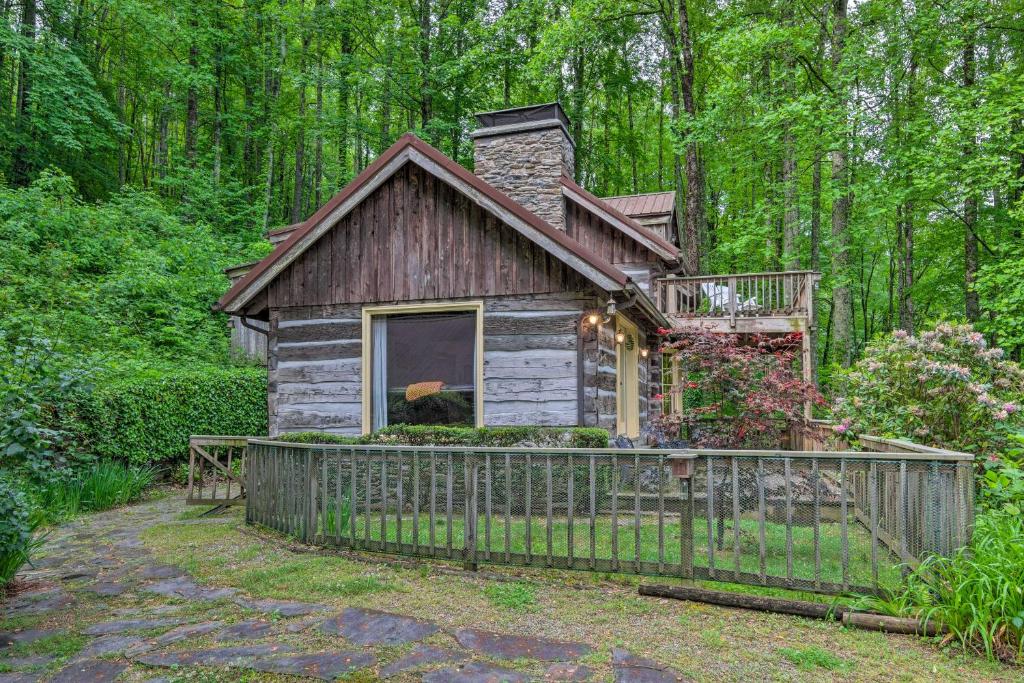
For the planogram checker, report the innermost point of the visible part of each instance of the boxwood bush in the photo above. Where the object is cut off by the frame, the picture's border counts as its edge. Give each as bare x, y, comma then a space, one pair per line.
429, 435
148, 418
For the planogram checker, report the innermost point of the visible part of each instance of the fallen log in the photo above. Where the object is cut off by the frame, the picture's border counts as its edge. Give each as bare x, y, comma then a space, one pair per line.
799, 608
886, 624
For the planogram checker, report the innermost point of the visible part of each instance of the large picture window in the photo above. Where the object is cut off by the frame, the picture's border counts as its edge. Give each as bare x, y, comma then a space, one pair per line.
422, 365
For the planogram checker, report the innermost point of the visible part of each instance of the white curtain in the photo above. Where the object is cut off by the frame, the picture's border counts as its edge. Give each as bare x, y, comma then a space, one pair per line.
379, 372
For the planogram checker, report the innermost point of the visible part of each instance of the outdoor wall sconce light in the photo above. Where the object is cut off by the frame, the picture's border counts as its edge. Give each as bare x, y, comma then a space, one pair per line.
593, 318
643, 353
609, 311
620, 337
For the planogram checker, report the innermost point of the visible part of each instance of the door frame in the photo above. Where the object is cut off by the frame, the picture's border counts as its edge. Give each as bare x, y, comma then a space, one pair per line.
627, 379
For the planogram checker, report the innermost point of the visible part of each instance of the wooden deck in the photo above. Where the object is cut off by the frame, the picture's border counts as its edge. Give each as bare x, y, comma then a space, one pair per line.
748, 303
751, 303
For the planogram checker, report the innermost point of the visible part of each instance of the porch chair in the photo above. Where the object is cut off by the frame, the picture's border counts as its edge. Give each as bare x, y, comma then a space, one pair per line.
718, 297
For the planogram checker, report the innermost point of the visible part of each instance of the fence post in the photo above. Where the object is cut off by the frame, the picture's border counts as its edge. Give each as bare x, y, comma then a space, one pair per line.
469, 534
686, 524
309, 524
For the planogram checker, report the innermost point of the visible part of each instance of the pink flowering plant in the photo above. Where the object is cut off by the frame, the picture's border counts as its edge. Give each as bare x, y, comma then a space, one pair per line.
946, 388
736, 393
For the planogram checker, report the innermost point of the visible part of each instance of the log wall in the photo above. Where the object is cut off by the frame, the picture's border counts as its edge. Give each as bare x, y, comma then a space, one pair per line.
531, 371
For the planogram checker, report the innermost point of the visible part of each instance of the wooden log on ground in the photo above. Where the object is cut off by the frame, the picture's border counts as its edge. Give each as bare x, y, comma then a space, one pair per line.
880, 622
800, 608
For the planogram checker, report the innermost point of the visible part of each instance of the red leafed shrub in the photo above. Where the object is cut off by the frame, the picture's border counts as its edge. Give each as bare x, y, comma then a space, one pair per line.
736, 392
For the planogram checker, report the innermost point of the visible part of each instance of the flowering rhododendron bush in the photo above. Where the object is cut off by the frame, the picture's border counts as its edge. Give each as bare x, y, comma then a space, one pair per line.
946, 388
736, 392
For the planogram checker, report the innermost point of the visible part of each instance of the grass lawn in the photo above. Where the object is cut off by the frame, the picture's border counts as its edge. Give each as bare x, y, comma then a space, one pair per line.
704, 642
775, 543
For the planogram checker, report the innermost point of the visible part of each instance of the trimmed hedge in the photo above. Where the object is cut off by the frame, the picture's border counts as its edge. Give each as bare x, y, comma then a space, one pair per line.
148, 418
424, 435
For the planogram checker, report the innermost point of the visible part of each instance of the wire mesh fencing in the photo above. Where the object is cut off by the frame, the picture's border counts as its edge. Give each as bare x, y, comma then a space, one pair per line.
825, 522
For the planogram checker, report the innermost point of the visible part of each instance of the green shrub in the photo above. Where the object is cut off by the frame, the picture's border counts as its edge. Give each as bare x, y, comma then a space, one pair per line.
320, 438
149, 418
100, 486
483, 437
976, 593
945, 387
542, 437
17, 531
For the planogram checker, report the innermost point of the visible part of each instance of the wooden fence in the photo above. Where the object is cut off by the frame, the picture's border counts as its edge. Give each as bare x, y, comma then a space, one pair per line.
819, 521
216, 470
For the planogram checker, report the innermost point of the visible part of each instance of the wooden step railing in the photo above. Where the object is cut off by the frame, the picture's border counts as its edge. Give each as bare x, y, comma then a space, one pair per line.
216, 470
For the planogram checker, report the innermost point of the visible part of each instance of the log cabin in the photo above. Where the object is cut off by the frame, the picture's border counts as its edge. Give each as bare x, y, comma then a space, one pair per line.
423, 293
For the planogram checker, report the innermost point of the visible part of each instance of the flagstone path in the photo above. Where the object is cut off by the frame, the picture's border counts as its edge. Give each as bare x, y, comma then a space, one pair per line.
172, 623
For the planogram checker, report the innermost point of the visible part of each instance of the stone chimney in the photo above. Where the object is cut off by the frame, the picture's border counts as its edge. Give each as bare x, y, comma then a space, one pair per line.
524, 152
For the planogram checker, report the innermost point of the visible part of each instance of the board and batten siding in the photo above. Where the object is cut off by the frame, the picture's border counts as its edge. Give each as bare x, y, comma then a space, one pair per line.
415, 238
530, 377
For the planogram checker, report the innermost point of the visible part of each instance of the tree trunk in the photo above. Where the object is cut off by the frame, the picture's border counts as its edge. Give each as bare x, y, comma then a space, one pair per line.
842, 310
972, 308
272, 87
300, 135
192, 99
22, 164
218, 106
426, 98
816, 210
695, 219
790, 180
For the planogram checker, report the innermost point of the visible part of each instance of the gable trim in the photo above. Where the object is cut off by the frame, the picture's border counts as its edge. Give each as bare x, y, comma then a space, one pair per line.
409, 148
619, 221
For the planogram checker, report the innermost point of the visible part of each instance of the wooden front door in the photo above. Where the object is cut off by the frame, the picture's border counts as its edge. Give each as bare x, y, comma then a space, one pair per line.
627, 387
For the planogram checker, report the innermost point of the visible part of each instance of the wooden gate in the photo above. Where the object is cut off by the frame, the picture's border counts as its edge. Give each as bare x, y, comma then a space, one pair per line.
216, 470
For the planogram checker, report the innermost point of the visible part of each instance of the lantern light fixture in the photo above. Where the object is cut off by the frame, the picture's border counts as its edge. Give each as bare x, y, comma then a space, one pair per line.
620, 337
644, 352
593, 318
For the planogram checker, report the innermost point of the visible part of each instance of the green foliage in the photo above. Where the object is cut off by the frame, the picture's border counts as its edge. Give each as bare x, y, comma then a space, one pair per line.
17, 530
976, 593
147, 418
1001, 485
34, 383
813, 658
338, 514
1001, 286
100, 486
511, 595
428, 435
124, 283
945, 388
320, 438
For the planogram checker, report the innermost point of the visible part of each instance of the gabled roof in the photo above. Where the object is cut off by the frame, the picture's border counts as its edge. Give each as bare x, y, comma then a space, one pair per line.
650, 204
408, 149
619, 220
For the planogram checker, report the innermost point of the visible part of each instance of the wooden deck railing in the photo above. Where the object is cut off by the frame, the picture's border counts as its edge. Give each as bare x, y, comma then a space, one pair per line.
752, 295
820, 521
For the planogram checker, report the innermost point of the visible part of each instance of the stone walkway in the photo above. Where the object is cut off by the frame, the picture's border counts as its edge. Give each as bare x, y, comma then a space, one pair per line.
98, 562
